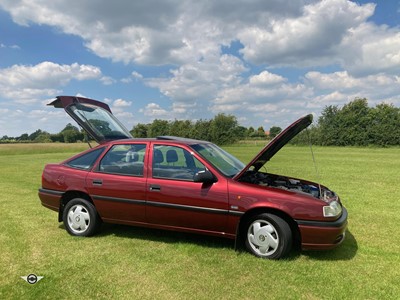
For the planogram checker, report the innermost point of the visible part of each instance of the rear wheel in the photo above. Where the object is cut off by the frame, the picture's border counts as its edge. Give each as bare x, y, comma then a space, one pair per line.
268, 236
81, 218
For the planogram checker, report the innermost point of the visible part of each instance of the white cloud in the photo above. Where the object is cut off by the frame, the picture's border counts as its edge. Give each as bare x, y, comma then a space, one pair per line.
45, 74
15, 47
312, 38
17, 121
161, 32
277, 101
276, 33
266, 78
137, 75
29, 83
154, 110
126, 80
340, 87
106, 80
134, 75
200, 81
371, 50
177, 111
261, 88
121, 103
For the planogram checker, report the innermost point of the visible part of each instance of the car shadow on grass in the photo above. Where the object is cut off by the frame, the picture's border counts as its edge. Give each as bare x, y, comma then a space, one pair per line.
346, 251
164, 236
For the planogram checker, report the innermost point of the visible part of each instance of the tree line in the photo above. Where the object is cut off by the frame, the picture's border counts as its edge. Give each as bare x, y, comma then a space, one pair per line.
70, 134
354, 124
222, 129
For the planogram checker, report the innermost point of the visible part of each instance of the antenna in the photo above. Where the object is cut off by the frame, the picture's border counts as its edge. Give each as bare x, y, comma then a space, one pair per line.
315, 164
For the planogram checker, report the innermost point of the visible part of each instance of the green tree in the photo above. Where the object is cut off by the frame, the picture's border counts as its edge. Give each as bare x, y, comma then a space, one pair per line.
384, 126
35, 134
223, 128
241, 132
261, 132
250, 131
23, 137
158, 128
182, 128
71, 134
356, 124
328, 124
274, 131
140, 130
354, 120
43, 137
57, 137
69, 126
201, 130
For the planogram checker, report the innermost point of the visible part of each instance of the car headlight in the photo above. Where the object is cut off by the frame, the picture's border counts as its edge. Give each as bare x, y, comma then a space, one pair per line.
333, 210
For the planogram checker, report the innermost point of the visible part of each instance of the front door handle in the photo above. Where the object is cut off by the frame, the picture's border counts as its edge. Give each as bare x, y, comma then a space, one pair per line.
155, 187
97, 182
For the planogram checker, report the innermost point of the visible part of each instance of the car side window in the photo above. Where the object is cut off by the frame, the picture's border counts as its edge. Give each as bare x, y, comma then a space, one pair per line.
85, 161
171, 162
126, 159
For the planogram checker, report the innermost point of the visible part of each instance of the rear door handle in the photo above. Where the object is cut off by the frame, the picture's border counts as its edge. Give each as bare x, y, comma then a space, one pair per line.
155, 187
97, 182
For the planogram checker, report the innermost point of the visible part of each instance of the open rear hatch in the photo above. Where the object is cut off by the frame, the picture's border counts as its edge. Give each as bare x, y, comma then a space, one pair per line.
94, 117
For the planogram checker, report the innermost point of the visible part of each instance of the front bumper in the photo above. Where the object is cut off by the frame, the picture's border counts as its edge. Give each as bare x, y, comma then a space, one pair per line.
317, 235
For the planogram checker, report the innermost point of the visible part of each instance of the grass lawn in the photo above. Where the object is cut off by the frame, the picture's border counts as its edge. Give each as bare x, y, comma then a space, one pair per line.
134, 263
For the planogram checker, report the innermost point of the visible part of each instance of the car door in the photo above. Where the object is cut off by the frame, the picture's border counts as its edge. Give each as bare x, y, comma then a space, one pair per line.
175, 200
118, 183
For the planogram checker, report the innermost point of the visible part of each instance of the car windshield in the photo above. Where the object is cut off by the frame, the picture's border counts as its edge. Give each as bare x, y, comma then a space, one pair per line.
226, 163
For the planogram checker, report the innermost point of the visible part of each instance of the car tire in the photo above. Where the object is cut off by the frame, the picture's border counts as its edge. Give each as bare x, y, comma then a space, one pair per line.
81, 218
268, 236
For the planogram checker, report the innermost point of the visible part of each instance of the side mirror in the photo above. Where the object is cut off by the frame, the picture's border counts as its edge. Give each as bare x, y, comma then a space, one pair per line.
204, 176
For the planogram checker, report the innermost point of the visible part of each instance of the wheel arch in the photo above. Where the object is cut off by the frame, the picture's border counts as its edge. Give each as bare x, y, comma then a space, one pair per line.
241, 228
68, 196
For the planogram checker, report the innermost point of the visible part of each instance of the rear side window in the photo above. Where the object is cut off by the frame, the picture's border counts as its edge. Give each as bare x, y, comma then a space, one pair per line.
126, 159
85, 161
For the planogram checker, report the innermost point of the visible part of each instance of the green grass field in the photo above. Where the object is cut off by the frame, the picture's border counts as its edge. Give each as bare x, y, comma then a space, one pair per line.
134, 263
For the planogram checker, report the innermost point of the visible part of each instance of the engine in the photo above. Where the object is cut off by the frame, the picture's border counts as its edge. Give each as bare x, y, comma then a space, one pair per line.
286, 183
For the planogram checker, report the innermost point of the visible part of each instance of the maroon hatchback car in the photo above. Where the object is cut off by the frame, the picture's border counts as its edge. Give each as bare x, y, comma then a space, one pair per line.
187, 185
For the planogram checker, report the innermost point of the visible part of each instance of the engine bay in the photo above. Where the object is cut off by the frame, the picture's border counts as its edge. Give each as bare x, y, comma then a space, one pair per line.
290, 184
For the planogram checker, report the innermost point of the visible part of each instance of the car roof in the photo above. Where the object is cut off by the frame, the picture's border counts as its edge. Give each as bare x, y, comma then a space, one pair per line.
181, 139
165, 138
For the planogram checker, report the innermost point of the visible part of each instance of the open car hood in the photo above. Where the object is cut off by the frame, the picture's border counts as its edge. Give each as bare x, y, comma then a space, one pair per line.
94, 117
276, 144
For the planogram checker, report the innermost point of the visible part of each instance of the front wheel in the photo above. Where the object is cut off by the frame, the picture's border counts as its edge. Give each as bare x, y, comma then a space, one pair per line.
80, 218
268, 236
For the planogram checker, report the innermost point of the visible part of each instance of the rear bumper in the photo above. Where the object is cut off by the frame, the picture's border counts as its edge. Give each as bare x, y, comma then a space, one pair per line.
50, 198
316, 235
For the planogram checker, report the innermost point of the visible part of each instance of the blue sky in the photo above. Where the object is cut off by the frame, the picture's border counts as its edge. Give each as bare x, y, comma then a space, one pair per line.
266, 62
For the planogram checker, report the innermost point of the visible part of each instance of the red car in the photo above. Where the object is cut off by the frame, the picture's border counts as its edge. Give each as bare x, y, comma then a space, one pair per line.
187, 185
